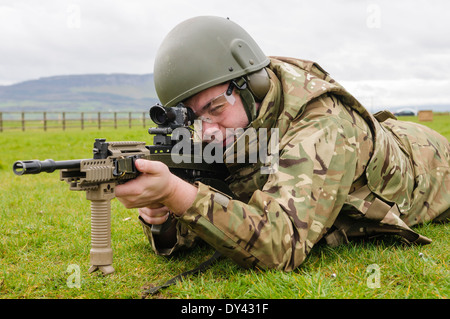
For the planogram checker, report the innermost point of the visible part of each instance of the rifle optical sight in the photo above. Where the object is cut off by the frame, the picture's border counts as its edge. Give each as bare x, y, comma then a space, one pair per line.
173, 117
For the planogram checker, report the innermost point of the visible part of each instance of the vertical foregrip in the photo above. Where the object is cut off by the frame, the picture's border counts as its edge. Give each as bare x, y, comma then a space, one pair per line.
101, 251
101, 230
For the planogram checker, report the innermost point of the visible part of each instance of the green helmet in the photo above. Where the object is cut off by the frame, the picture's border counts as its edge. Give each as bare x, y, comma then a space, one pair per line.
202, 52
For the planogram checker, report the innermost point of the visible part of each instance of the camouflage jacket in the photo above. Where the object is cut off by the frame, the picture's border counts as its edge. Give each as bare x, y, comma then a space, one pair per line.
341, 172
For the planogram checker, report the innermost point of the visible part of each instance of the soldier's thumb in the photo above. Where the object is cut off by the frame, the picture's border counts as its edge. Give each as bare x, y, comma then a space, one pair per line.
146, 166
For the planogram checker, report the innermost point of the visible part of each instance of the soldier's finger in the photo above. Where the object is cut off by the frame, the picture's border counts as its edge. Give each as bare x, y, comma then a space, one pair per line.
154, 220
154, 212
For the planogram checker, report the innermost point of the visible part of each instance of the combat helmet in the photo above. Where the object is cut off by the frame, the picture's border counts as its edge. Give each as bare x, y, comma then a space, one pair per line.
205, 51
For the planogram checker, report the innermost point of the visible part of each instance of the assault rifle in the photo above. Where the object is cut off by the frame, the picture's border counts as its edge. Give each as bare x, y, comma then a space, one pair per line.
113, 163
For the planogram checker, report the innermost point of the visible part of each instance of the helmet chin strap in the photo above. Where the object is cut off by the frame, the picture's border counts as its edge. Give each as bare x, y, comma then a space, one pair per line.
252, 88
247, 98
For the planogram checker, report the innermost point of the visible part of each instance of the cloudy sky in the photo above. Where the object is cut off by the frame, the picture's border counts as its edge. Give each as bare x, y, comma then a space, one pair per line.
387, 53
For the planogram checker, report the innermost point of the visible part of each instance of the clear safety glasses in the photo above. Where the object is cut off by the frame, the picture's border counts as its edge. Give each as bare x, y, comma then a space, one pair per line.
216, 106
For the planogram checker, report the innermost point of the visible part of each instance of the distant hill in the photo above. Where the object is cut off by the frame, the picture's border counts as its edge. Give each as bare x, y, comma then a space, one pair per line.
102, 92
90, 92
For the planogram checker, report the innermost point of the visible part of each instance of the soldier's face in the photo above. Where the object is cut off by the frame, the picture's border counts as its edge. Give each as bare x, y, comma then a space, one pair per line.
218, 112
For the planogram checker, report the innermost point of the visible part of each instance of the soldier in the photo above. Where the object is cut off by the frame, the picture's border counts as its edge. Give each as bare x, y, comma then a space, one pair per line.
342, 172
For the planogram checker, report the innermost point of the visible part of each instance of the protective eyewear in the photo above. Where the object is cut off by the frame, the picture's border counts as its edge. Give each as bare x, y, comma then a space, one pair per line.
216, 106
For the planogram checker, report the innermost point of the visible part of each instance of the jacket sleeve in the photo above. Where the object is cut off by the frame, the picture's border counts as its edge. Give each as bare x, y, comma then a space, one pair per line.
299, 202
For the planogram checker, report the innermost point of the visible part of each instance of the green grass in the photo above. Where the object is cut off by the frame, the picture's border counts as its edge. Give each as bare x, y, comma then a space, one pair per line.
44, 228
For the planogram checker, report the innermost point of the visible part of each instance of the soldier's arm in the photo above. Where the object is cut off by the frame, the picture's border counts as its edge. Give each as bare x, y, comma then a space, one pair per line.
280, 224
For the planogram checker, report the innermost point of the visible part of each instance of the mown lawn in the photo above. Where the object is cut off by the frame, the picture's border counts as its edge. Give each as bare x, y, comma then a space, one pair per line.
45, 239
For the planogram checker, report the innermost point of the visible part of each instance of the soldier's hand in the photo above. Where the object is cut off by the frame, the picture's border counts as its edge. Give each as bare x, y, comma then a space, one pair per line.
154, 216
156, 187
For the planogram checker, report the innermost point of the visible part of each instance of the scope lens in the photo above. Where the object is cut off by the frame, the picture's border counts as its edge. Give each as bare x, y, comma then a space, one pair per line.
160, 118
160, 115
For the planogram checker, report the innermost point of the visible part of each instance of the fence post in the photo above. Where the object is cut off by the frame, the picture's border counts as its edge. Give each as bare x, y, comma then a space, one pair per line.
23, 121
115, 120
64, 120
1, 122
129, 119
82, 120
143, 119
45, 121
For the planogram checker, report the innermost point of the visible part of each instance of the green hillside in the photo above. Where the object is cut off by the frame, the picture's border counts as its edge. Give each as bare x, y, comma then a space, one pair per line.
92, 92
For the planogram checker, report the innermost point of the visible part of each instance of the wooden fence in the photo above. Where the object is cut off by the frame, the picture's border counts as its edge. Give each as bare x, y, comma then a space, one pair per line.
67, 120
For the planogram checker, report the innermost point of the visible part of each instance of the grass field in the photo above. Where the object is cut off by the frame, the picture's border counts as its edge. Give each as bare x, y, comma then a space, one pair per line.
45, 238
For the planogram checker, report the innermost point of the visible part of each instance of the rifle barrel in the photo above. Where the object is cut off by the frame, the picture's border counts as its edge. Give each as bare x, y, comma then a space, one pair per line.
49, 165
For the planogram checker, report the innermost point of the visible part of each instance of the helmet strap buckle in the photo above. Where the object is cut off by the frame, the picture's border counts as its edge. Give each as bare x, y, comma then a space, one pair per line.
240, 84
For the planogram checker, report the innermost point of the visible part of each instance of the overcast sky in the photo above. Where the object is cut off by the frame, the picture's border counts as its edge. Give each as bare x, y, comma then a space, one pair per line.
387, 53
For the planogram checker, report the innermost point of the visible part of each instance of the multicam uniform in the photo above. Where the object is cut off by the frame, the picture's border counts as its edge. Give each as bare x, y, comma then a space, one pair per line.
341, 173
